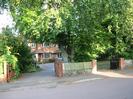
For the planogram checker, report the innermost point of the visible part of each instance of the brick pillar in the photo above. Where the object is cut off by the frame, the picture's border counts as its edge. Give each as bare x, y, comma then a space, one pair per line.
122, 63
55, 66
58, 68
10, 72
94, 66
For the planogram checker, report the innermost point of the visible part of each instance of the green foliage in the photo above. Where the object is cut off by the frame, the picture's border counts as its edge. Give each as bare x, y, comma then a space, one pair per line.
18, 53
128, 54
25, 59
10, 59
7, 55
1, 69
85, 29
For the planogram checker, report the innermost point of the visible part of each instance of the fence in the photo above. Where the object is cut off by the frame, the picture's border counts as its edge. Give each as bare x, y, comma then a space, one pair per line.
103, 64
62, 69
77, 68
129, 62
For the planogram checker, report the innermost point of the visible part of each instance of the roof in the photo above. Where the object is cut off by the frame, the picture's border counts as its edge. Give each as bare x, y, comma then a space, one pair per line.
48, 51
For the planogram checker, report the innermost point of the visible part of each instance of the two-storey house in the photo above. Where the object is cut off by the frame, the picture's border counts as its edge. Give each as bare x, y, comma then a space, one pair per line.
45, 52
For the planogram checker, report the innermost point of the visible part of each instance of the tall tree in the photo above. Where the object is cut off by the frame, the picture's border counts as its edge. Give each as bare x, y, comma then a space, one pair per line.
83, 29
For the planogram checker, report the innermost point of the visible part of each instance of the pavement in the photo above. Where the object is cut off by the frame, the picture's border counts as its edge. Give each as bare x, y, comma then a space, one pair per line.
46, 78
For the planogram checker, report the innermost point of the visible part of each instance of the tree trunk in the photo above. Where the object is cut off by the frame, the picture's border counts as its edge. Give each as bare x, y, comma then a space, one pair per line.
70, 52
64, 54
67, 54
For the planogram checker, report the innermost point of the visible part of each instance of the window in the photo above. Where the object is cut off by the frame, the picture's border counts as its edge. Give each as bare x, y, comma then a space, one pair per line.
45, 45
59, 55
46, 55
33, 45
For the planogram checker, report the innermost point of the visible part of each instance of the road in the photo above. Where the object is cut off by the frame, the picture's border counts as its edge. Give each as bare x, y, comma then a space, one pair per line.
108, 88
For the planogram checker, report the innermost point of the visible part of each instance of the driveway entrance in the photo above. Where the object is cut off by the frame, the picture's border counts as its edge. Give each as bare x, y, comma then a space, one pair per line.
47, 73
47, 70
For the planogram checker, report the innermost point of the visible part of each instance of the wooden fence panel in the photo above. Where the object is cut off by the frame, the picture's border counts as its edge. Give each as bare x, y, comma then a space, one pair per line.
77, 68
62, 69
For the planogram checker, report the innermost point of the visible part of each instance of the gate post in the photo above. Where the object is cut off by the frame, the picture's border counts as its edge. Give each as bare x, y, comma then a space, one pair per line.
122, 63
58, 65
94, 66
5, 71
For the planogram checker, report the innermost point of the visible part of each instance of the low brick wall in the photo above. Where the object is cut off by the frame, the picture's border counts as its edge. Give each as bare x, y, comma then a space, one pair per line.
62, 69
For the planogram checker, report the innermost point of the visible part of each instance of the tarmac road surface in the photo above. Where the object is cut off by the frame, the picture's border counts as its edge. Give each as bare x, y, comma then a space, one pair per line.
109, 88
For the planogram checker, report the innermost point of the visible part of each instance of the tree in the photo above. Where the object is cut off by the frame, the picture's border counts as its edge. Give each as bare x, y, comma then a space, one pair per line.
107, 24
84, 29
15, 46
49, 24
118, 22
6, 54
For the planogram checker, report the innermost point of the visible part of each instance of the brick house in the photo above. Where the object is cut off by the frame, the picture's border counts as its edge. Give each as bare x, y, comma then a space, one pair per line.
45, 52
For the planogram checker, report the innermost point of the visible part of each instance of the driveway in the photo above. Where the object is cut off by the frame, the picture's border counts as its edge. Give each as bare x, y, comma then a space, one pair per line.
47, 72
46, 75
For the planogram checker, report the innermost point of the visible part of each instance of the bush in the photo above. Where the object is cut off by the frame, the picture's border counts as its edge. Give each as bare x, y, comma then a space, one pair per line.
25, 59
128, 54
18, 49
10, 59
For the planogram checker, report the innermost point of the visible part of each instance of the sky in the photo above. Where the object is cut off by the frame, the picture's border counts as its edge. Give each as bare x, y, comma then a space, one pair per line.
5, 19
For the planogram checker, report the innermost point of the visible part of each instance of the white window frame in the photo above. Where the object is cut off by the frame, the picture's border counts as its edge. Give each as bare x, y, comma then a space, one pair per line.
49, 55
45, 45
33, 45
